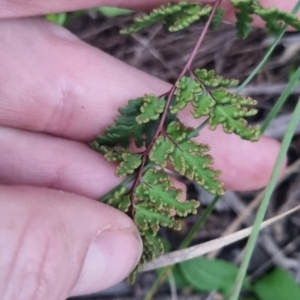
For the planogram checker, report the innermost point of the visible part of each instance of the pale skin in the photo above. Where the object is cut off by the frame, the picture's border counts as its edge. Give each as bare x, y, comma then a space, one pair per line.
56, 93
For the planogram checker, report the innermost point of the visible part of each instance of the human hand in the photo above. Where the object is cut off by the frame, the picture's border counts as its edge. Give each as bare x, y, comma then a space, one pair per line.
56, 93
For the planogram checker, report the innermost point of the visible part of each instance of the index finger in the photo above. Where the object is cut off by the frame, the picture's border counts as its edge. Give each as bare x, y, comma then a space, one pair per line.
21, 8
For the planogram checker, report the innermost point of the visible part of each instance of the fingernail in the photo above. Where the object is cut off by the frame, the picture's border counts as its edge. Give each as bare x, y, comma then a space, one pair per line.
111, 257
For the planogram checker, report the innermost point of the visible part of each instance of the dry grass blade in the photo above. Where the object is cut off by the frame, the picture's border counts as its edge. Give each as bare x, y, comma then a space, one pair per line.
199, 250
239, 220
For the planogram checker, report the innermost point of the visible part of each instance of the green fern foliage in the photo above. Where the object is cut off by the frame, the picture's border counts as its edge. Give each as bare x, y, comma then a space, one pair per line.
273, 18
120, 199
175, 17
210, 79
153, 201
276, 19
186, 91
244, 10
151, 109
125, 127
189, 159
178, 16
157, 204
207, 94
230, 111
131, 124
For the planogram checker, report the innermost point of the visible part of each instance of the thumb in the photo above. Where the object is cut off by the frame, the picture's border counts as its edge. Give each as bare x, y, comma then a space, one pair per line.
55, 244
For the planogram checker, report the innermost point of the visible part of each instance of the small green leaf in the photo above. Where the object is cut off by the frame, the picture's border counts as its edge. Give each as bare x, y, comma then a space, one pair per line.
147, 217
152, 244
187, 90
277, 285
197, 167
230, 111
120, 199
153, 177
190, 160
209, 275
217, 19
113, 154
160, 151
243, 16
189, 14
125, 128
157, 188
130, 162
275, 20
111, 12
178, 132
210, 79
59, 19
202, 105
151, 109
174, 16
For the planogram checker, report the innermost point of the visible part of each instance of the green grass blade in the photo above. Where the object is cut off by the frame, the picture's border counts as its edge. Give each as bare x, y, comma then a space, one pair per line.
265, 202
281, 100
268, 54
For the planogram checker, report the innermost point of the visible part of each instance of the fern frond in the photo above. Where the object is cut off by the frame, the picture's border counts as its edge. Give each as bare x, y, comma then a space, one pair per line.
187, 89
148, 217
157, 204
274, 18
210, 79
158, 189
126, 127
190, 14
190, 161
151, 109
178, 132
244, 10
130, 162
137, 121
174, 17
160, 151
152, 244
217, 19
187, 158
152, 200
202, 105
206, 92
230, 111
120, 199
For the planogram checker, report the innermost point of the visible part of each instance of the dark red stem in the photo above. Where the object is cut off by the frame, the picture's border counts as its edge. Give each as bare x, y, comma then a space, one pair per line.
170, 95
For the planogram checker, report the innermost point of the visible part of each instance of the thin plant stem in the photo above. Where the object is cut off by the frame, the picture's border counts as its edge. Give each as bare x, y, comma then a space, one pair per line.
169, 99
196, 131
281, 100
268, 54
265, 202
185, 243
